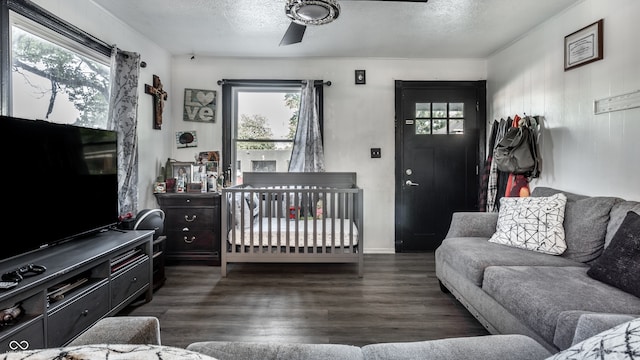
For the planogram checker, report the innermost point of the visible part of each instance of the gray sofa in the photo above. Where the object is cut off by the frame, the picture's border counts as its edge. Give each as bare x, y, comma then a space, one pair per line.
120, 338
517, 291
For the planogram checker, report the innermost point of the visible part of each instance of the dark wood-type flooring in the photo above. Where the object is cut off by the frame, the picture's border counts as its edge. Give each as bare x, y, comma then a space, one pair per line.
397, 299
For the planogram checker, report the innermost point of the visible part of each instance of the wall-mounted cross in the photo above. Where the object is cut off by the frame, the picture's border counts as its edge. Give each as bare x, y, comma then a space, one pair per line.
159, 97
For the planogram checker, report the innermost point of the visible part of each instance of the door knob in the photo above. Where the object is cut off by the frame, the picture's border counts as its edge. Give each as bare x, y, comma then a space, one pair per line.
411, 183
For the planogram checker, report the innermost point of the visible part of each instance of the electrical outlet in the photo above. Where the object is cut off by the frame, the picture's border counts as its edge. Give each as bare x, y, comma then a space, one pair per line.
376, 153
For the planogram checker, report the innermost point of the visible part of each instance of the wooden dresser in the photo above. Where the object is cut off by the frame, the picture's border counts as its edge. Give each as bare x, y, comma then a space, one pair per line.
192, 227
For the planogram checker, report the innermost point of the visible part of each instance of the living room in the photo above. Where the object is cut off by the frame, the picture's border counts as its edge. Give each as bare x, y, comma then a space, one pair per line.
582, 152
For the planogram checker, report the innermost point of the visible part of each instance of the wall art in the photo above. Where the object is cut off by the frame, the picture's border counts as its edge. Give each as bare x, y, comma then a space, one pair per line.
199, 105
583, 46
185, 139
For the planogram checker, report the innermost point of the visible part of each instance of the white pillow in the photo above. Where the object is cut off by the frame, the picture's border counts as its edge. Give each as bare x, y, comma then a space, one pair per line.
619, 343
532, 223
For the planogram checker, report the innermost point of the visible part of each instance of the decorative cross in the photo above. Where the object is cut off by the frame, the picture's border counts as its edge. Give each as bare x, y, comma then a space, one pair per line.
159, 97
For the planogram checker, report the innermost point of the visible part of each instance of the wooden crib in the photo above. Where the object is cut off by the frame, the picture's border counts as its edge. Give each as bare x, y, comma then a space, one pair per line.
281, 217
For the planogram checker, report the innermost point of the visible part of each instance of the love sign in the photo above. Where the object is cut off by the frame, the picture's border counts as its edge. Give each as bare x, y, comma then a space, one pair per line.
199, 105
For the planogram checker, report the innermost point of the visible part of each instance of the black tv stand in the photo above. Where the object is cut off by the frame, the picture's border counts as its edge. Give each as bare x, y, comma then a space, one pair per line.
86, 279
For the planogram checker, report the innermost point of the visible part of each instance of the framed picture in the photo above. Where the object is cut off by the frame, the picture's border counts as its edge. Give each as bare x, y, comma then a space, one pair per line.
211, 167
198, 170
199, 105
185, 139
205, 156
182, 170
583, 46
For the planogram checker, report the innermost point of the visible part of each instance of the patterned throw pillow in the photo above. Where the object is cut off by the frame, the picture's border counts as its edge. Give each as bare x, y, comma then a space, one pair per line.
532, 223
619, 264
619, 343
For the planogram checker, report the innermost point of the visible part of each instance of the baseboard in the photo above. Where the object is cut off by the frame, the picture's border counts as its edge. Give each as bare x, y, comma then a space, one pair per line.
380, 251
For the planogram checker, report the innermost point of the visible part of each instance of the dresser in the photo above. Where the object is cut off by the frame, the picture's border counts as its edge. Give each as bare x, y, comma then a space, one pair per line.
192, 227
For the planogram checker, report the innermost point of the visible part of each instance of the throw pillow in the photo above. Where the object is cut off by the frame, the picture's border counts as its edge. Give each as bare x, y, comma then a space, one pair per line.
619, 264
585, 223
532, 223
618, 343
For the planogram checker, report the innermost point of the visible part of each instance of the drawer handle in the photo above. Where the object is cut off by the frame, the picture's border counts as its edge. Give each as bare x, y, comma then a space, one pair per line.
135, 279
185, 229
189, 241
15, 345
193, 218
85, 312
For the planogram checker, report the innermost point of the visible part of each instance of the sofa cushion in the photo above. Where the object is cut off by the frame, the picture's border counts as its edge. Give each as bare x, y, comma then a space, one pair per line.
619, 343
235, 350
585, 223
618, 213
471, 255
593, 324
468, 348
619, 265
539, 294
532, 223
577, 324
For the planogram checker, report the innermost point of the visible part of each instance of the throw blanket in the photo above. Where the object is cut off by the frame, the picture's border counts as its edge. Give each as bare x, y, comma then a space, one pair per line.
107, 351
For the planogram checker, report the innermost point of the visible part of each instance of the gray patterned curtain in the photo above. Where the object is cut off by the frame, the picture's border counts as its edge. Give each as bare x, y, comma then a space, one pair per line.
307, 154
123, 117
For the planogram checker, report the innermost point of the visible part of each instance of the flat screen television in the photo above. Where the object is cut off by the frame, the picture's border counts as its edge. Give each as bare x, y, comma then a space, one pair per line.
60, 183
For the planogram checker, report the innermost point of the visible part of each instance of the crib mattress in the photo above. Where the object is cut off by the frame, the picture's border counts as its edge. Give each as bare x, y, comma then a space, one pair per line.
345, 234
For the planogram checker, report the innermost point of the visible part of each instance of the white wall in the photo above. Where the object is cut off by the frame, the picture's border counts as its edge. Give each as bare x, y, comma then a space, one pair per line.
356, 117
582, 152
152, 150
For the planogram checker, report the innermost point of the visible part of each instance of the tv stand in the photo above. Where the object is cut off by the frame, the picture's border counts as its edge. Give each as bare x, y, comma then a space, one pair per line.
86, 279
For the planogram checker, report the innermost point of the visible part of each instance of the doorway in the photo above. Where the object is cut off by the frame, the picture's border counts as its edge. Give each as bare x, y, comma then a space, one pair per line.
440, 141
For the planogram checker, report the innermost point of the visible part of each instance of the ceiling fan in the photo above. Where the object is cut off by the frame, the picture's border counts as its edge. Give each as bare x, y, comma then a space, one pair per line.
313, 12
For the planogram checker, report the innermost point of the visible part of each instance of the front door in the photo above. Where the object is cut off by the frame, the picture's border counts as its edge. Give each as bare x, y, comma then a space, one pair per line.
439, 150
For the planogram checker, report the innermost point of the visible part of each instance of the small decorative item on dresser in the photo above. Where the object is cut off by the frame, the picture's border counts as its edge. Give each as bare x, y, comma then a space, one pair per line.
160, 187
194, 187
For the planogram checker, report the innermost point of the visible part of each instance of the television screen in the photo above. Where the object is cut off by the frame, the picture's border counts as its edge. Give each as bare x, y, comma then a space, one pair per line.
60, 183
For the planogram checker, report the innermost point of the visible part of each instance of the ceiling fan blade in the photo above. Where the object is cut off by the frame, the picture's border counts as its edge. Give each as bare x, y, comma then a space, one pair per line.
293, 34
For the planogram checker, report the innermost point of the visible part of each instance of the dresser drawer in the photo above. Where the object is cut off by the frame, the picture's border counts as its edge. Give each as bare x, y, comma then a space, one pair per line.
73, 318
29, 337
188, 241
189, 200
128, 281
191, 218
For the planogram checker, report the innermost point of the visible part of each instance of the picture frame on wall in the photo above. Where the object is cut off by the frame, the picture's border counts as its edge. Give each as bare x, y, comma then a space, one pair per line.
199, 105
584, 46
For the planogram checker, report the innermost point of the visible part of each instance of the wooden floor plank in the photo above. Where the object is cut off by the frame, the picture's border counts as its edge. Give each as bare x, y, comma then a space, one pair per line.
397, 299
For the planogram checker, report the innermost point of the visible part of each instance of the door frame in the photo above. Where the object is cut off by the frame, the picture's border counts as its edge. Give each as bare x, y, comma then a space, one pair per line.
400, 85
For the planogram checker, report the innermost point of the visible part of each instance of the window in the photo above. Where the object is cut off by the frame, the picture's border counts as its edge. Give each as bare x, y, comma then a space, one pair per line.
439, 118
259, 131
54, 77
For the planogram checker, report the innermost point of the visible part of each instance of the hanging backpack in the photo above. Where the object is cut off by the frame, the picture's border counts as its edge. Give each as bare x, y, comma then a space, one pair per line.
517, 151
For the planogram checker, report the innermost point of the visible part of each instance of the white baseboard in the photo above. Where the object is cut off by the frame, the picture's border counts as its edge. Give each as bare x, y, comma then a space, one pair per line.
380, 251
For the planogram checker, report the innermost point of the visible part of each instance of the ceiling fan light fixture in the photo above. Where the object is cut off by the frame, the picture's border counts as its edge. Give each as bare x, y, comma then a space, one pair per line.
312, 12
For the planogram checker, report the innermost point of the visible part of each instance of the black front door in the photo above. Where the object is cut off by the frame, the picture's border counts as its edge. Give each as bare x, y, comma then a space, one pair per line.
439, 149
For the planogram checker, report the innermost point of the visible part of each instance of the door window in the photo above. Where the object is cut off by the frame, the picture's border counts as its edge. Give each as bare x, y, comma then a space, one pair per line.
439, 118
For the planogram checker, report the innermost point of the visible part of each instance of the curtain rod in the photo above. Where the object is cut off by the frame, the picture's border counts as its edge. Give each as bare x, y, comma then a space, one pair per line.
267, 82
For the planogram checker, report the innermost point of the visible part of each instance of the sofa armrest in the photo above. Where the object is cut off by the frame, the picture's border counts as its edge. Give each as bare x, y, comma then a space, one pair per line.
592, 324
121, 330
472, 224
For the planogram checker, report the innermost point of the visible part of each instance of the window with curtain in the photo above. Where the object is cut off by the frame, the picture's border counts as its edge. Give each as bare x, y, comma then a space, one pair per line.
54, 77
259, 120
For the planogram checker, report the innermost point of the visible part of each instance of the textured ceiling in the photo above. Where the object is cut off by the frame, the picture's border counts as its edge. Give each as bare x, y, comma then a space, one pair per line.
365, 28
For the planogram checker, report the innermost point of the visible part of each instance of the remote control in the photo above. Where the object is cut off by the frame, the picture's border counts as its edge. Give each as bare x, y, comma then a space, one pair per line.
7, 284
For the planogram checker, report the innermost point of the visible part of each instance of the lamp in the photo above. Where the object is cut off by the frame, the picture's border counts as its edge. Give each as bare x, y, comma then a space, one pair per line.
312, 12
